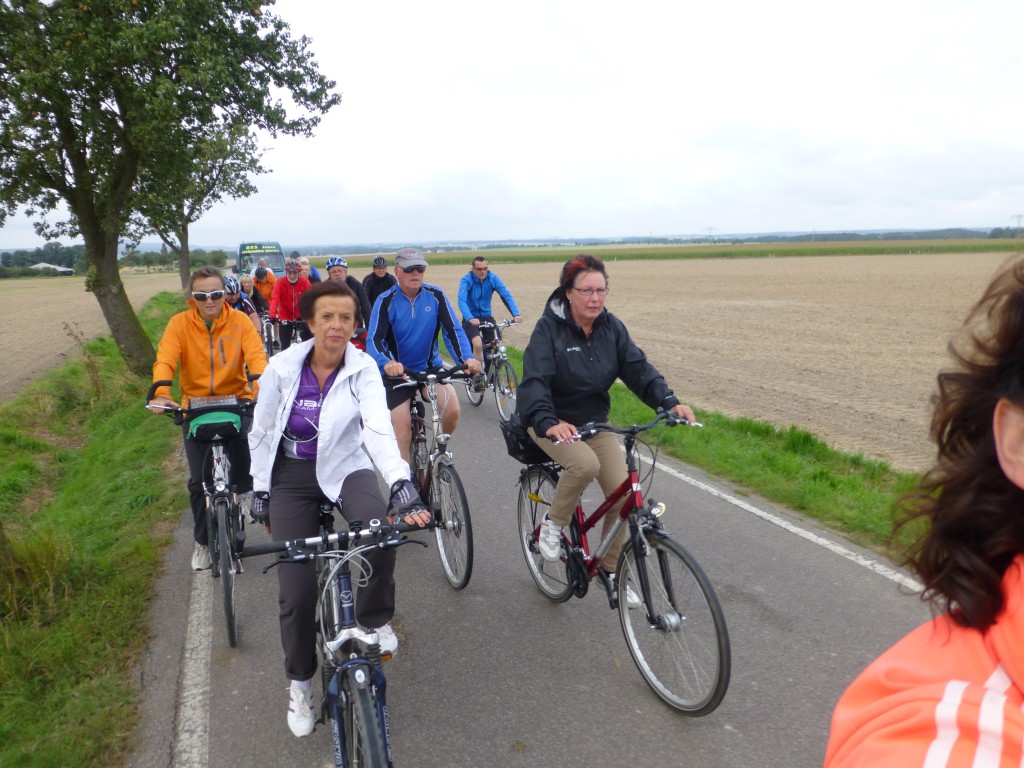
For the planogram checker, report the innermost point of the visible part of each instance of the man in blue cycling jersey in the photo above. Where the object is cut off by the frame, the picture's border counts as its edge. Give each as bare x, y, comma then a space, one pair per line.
403, 332
476, 289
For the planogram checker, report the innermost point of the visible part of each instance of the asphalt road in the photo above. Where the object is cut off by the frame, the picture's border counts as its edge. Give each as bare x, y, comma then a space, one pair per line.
496, 675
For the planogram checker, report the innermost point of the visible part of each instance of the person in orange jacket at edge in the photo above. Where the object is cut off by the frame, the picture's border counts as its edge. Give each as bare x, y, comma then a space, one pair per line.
951, 693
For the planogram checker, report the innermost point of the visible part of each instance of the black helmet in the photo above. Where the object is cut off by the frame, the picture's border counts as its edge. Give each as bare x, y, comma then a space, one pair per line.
261, 273
380, 261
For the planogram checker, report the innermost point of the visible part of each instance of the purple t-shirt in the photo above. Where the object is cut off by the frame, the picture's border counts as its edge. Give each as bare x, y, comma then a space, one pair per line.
304, 420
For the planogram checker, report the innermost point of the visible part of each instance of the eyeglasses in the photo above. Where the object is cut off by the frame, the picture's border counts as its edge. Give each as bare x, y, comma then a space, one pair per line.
418, 268
480, 269
588, 292
203, 296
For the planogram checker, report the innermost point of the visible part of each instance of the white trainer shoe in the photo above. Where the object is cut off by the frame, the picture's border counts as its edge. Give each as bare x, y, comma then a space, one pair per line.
388, 639
300, 710
632, 598
549, 540
200, 557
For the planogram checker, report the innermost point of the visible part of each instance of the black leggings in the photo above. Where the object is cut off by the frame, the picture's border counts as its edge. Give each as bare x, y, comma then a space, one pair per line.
295, 498
200, 469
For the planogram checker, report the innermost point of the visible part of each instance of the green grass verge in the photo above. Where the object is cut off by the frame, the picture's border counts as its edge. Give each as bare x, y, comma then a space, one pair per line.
86, 507
790, 466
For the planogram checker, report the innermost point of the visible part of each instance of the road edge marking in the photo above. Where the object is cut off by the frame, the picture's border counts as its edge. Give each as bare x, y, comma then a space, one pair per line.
192, 736
865, 562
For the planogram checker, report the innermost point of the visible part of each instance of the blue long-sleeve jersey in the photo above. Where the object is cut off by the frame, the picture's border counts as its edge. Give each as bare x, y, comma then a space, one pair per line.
475, 296
406, 330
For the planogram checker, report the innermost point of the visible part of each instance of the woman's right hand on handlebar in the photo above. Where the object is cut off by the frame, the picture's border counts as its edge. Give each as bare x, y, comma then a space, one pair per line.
562, 432
160, 404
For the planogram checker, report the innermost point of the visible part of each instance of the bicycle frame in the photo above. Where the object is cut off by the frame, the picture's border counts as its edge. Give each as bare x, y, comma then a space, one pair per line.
631, 497
419, 425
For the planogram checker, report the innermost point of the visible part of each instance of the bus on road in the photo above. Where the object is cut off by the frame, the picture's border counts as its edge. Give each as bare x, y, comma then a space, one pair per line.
249, 255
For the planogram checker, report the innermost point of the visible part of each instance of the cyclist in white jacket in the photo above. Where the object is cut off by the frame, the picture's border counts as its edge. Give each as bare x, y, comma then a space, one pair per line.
321, 403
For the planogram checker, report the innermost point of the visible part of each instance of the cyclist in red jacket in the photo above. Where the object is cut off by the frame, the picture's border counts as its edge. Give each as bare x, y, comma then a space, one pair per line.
284, 301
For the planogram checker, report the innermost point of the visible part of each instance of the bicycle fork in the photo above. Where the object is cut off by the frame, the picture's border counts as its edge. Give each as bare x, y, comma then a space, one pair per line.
361, 674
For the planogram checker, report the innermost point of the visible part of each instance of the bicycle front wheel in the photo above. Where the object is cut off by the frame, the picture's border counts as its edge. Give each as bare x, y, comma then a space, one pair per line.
454, 529
506, 384
268, 340
679, 640
227, 567
536, 490
364, 734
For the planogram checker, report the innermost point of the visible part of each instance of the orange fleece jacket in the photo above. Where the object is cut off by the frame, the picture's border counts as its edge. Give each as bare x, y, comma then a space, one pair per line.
266, 287
212, 360
944, 696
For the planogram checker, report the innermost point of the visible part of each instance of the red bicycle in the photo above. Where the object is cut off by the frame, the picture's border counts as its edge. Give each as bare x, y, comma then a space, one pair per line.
677, 634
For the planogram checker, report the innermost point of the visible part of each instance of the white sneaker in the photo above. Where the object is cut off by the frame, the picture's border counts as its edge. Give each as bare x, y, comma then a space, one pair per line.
549, 540
632, 598
300, 710
388, 639
200, 557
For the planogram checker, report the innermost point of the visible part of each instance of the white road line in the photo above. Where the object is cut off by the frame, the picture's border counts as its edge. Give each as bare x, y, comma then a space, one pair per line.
192, 739
865, 562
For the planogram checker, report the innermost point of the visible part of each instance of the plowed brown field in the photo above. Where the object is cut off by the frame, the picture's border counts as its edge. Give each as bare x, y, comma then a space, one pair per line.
845, 347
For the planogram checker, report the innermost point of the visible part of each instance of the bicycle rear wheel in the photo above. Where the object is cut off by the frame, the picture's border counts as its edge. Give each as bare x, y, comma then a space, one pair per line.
682, 646
454, 529
536, 489
506, 384
225, 534
475, 398
364, 735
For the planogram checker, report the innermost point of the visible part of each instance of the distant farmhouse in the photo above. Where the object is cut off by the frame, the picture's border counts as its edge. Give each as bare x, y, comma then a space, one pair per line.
61, 270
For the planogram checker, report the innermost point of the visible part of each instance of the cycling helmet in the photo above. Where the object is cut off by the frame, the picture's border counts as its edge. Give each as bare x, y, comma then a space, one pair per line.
231, 285
336, 261
261, 273
292, 265
380, 261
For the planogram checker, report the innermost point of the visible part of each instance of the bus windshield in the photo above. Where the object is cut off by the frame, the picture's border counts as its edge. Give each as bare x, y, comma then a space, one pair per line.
249, 255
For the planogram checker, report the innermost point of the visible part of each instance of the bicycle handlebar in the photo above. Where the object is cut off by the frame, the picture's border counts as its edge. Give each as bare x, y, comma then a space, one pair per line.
592, 428
432, 376
180, 414
506, 323
300, 550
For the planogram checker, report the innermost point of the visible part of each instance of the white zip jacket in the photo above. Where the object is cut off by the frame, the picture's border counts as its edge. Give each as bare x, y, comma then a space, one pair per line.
354, 415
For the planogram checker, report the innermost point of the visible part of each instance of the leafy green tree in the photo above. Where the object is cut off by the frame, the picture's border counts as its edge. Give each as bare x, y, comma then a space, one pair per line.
218, 165
97, 96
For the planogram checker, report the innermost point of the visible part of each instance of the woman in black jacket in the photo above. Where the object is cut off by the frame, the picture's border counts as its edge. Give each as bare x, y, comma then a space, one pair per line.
576, 352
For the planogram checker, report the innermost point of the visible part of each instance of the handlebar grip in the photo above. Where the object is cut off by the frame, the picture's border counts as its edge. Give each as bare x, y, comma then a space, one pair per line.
156, 385
255, 550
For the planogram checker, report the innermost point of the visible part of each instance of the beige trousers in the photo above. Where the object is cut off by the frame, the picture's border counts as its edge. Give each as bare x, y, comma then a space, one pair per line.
599, 457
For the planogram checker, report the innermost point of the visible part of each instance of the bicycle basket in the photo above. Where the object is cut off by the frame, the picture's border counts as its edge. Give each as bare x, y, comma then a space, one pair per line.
519, 444
214, 425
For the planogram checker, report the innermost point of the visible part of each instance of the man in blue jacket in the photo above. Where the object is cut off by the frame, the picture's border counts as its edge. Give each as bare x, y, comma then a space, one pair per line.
404, 325
475, 291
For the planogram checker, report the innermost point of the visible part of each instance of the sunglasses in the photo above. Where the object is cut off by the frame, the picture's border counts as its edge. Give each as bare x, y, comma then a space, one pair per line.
418, 268
203, 296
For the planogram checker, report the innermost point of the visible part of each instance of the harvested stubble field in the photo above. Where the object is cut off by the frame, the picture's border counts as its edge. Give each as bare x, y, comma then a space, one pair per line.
846, 347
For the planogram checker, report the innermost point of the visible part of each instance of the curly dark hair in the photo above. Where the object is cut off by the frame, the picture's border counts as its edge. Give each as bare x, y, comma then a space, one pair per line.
974, 511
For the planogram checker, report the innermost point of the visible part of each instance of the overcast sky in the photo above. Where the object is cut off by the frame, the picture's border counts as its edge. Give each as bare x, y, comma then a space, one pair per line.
563, 118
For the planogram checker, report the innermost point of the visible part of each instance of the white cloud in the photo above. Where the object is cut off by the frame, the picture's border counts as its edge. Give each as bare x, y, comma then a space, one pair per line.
464, 120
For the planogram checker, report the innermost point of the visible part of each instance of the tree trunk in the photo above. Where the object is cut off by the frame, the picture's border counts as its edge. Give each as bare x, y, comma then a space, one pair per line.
104, 281
184, 268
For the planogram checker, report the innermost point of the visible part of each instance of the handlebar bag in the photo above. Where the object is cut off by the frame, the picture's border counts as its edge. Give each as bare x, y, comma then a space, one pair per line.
215, 425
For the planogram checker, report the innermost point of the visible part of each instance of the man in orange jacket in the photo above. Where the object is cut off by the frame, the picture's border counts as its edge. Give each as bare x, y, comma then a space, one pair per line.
214, 345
